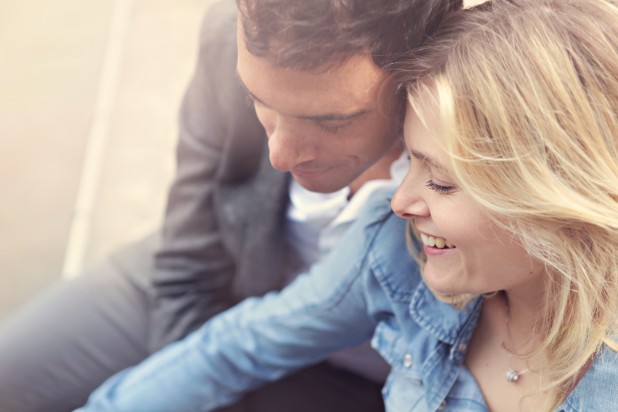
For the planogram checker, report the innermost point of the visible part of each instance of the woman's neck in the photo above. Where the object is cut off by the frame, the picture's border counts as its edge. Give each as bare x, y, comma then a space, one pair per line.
498, 356
523, 309
521, 317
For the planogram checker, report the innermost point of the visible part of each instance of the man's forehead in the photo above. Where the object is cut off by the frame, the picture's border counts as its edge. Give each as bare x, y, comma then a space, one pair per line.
322, 116
343, 90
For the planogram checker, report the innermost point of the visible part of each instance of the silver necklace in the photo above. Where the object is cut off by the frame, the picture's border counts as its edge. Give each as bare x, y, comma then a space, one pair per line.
512, 375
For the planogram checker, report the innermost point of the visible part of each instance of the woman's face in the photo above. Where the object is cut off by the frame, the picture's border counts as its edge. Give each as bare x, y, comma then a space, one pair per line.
466, 251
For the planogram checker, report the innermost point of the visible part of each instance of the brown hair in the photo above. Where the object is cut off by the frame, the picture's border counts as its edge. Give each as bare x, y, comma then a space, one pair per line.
305, 34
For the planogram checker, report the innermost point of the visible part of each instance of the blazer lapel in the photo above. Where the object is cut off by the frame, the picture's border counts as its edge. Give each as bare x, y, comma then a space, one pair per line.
252, 218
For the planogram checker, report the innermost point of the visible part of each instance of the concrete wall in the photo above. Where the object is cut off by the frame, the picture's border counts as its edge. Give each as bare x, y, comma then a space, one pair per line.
89, 93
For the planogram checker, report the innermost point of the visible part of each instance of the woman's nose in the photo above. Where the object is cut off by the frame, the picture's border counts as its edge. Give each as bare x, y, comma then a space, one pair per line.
407, 202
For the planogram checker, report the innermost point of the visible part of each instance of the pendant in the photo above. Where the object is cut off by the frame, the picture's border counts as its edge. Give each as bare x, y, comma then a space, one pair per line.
512, 376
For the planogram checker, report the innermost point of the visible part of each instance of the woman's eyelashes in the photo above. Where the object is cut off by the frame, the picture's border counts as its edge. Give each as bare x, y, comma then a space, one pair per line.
444, 189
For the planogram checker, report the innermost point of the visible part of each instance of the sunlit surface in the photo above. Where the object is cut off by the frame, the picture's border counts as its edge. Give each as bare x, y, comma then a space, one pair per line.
53, 57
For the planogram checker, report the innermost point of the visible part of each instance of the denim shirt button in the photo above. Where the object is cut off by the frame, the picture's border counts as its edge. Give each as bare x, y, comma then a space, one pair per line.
442, 406
462, 347
407, 360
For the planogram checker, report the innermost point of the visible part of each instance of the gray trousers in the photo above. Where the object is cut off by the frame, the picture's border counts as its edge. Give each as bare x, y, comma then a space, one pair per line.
69, 340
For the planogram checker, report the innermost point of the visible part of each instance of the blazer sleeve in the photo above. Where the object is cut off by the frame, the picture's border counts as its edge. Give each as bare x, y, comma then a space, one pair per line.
193, 272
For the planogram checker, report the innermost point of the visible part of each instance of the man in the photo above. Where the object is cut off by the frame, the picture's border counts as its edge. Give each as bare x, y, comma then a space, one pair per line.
235, 226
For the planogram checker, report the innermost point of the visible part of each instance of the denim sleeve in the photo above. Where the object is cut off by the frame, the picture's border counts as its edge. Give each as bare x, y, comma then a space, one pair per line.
259, 340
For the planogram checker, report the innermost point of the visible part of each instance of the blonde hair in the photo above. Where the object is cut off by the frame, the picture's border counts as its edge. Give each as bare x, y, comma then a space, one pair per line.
528, 95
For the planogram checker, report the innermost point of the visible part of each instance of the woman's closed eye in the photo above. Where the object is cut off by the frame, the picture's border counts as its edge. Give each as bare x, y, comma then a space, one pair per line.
444, 189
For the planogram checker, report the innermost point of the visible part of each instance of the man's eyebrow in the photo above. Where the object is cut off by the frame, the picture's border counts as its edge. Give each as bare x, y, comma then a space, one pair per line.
316, 118
424, 158
246, 89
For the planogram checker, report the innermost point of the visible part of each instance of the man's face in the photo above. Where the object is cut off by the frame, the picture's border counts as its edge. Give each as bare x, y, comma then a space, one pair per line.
324, 126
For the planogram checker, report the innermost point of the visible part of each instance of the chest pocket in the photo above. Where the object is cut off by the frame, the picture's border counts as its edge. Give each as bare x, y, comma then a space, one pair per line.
403, 390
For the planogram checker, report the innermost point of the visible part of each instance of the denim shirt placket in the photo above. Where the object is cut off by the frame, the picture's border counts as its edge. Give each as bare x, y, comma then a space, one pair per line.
443, 367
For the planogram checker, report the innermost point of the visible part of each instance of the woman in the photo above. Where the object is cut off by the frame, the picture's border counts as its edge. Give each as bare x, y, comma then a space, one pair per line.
513, 135
512, 194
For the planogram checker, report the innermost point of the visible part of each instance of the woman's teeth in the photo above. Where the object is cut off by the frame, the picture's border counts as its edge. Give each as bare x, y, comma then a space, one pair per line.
438, 242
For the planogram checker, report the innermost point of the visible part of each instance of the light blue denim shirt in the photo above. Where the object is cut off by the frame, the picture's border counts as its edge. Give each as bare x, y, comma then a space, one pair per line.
369, 287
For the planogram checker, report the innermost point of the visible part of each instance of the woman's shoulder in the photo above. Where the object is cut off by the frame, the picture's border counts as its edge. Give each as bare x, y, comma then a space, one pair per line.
598, 389
384, 230
388, 255
378, 205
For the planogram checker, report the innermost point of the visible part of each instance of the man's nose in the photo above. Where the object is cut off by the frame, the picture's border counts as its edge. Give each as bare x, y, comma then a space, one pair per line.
288, 146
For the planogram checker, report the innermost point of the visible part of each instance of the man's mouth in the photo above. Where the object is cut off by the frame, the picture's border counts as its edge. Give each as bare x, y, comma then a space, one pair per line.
308, 172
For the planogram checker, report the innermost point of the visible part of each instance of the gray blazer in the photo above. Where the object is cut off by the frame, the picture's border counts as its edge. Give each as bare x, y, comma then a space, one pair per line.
222, 237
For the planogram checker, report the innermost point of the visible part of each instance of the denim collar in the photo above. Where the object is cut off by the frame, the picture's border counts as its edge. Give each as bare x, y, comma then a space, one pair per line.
452, 328
455, 328
448, 324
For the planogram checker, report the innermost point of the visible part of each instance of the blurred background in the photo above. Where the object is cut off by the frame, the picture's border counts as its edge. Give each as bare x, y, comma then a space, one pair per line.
89, 93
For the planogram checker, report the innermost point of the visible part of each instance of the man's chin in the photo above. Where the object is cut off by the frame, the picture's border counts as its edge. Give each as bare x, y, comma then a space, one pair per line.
320, 184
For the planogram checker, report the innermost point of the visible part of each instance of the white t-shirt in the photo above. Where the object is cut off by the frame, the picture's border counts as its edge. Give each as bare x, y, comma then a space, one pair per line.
314, 224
